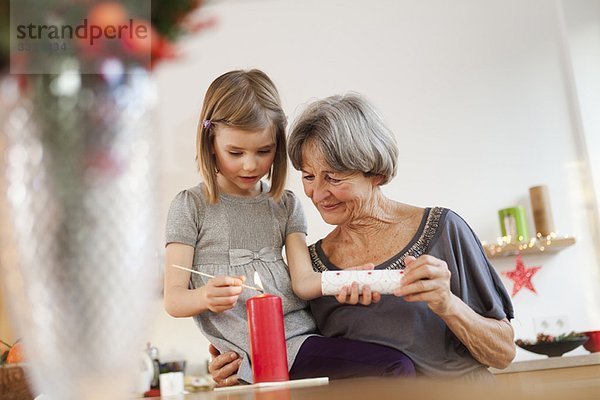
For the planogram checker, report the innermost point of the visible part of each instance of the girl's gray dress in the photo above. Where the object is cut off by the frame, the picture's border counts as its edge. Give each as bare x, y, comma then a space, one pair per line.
237, 236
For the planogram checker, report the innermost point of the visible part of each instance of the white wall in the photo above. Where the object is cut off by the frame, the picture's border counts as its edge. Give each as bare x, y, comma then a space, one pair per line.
582, 45
476, 90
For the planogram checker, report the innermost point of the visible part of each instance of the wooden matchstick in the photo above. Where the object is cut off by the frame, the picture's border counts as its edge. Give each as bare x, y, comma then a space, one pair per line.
212, 276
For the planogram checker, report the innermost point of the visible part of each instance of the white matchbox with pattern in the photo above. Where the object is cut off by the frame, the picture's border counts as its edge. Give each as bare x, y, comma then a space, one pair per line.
384, 281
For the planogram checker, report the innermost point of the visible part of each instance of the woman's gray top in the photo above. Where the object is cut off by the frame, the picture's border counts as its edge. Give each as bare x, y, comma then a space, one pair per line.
237, 236
412, 327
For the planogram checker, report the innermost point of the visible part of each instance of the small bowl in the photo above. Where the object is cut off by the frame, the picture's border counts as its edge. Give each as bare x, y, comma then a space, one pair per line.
593, 344
554, 349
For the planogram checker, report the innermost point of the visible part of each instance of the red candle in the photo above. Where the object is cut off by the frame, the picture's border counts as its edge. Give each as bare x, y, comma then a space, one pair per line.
267, 339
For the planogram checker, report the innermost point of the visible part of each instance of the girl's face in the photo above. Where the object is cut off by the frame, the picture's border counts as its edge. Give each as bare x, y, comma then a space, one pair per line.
340, 197
243, 157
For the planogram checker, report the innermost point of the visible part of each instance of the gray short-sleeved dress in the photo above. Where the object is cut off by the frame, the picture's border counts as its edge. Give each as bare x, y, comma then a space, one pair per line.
237, 236
412, 327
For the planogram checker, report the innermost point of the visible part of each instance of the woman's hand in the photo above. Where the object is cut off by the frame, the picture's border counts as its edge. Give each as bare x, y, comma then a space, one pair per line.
351, 295
222, 292
427, 279
490, 341
224, 367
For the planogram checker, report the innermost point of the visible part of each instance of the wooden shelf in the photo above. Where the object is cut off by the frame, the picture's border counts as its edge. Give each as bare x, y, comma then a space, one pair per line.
535, 246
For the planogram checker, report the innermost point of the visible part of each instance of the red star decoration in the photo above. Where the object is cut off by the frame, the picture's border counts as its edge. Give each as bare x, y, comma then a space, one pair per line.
521, 275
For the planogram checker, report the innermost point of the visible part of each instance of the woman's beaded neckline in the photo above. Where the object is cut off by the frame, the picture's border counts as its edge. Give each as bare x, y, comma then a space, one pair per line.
416, 247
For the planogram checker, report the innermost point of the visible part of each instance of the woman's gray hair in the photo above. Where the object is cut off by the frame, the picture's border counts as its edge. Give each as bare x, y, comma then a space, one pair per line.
350, 134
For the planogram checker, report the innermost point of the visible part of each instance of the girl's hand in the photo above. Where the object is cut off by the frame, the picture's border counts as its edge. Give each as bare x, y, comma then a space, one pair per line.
221, 293
351, 295
427, 279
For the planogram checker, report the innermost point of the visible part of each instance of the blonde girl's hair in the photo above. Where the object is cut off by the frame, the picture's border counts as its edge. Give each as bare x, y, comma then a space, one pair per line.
245, 100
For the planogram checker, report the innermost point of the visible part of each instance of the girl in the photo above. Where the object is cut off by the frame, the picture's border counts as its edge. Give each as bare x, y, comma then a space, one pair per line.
233, 224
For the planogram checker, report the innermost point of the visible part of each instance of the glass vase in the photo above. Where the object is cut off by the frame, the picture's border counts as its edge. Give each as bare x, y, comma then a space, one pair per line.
77, 238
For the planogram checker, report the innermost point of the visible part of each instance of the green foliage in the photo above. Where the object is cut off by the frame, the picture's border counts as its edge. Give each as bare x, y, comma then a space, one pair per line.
169, 20
5, 351
545, 338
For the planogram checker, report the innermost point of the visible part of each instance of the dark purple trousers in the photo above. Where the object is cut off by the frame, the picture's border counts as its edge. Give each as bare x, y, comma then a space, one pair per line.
340, 358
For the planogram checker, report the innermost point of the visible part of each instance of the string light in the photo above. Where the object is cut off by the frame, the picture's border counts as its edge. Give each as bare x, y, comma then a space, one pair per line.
506, 246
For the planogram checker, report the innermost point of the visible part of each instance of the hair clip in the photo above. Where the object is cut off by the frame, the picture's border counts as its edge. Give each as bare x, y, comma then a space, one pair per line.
206, 124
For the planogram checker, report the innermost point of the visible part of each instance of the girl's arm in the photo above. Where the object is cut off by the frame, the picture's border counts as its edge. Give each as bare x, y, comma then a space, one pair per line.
305, 282
219, 294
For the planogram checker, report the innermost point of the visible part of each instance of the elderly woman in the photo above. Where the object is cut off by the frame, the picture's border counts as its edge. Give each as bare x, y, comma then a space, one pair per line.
451, 314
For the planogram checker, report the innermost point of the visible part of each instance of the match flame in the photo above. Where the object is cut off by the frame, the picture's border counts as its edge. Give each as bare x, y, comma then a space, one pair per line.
258, 282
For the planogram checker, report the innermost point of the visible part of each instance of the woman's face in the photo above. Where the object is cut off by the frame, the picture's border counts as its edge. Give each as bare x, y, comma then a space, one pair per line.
340, 197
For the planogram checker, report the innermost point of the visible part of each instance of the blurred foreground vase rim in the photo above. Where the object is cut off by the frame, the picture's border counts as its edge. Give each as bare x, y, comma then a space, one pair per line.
78, 212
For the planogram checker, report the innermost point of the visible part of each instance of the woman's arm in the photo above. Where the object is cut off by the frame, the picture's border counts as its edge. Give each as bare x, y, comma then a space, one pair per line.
490, 341
305, 282
219, 294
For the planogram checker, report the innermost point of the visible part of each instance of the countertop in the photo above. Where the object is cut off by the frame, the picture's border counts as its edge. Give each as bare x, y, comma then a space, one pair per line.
403, 389
550, 363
